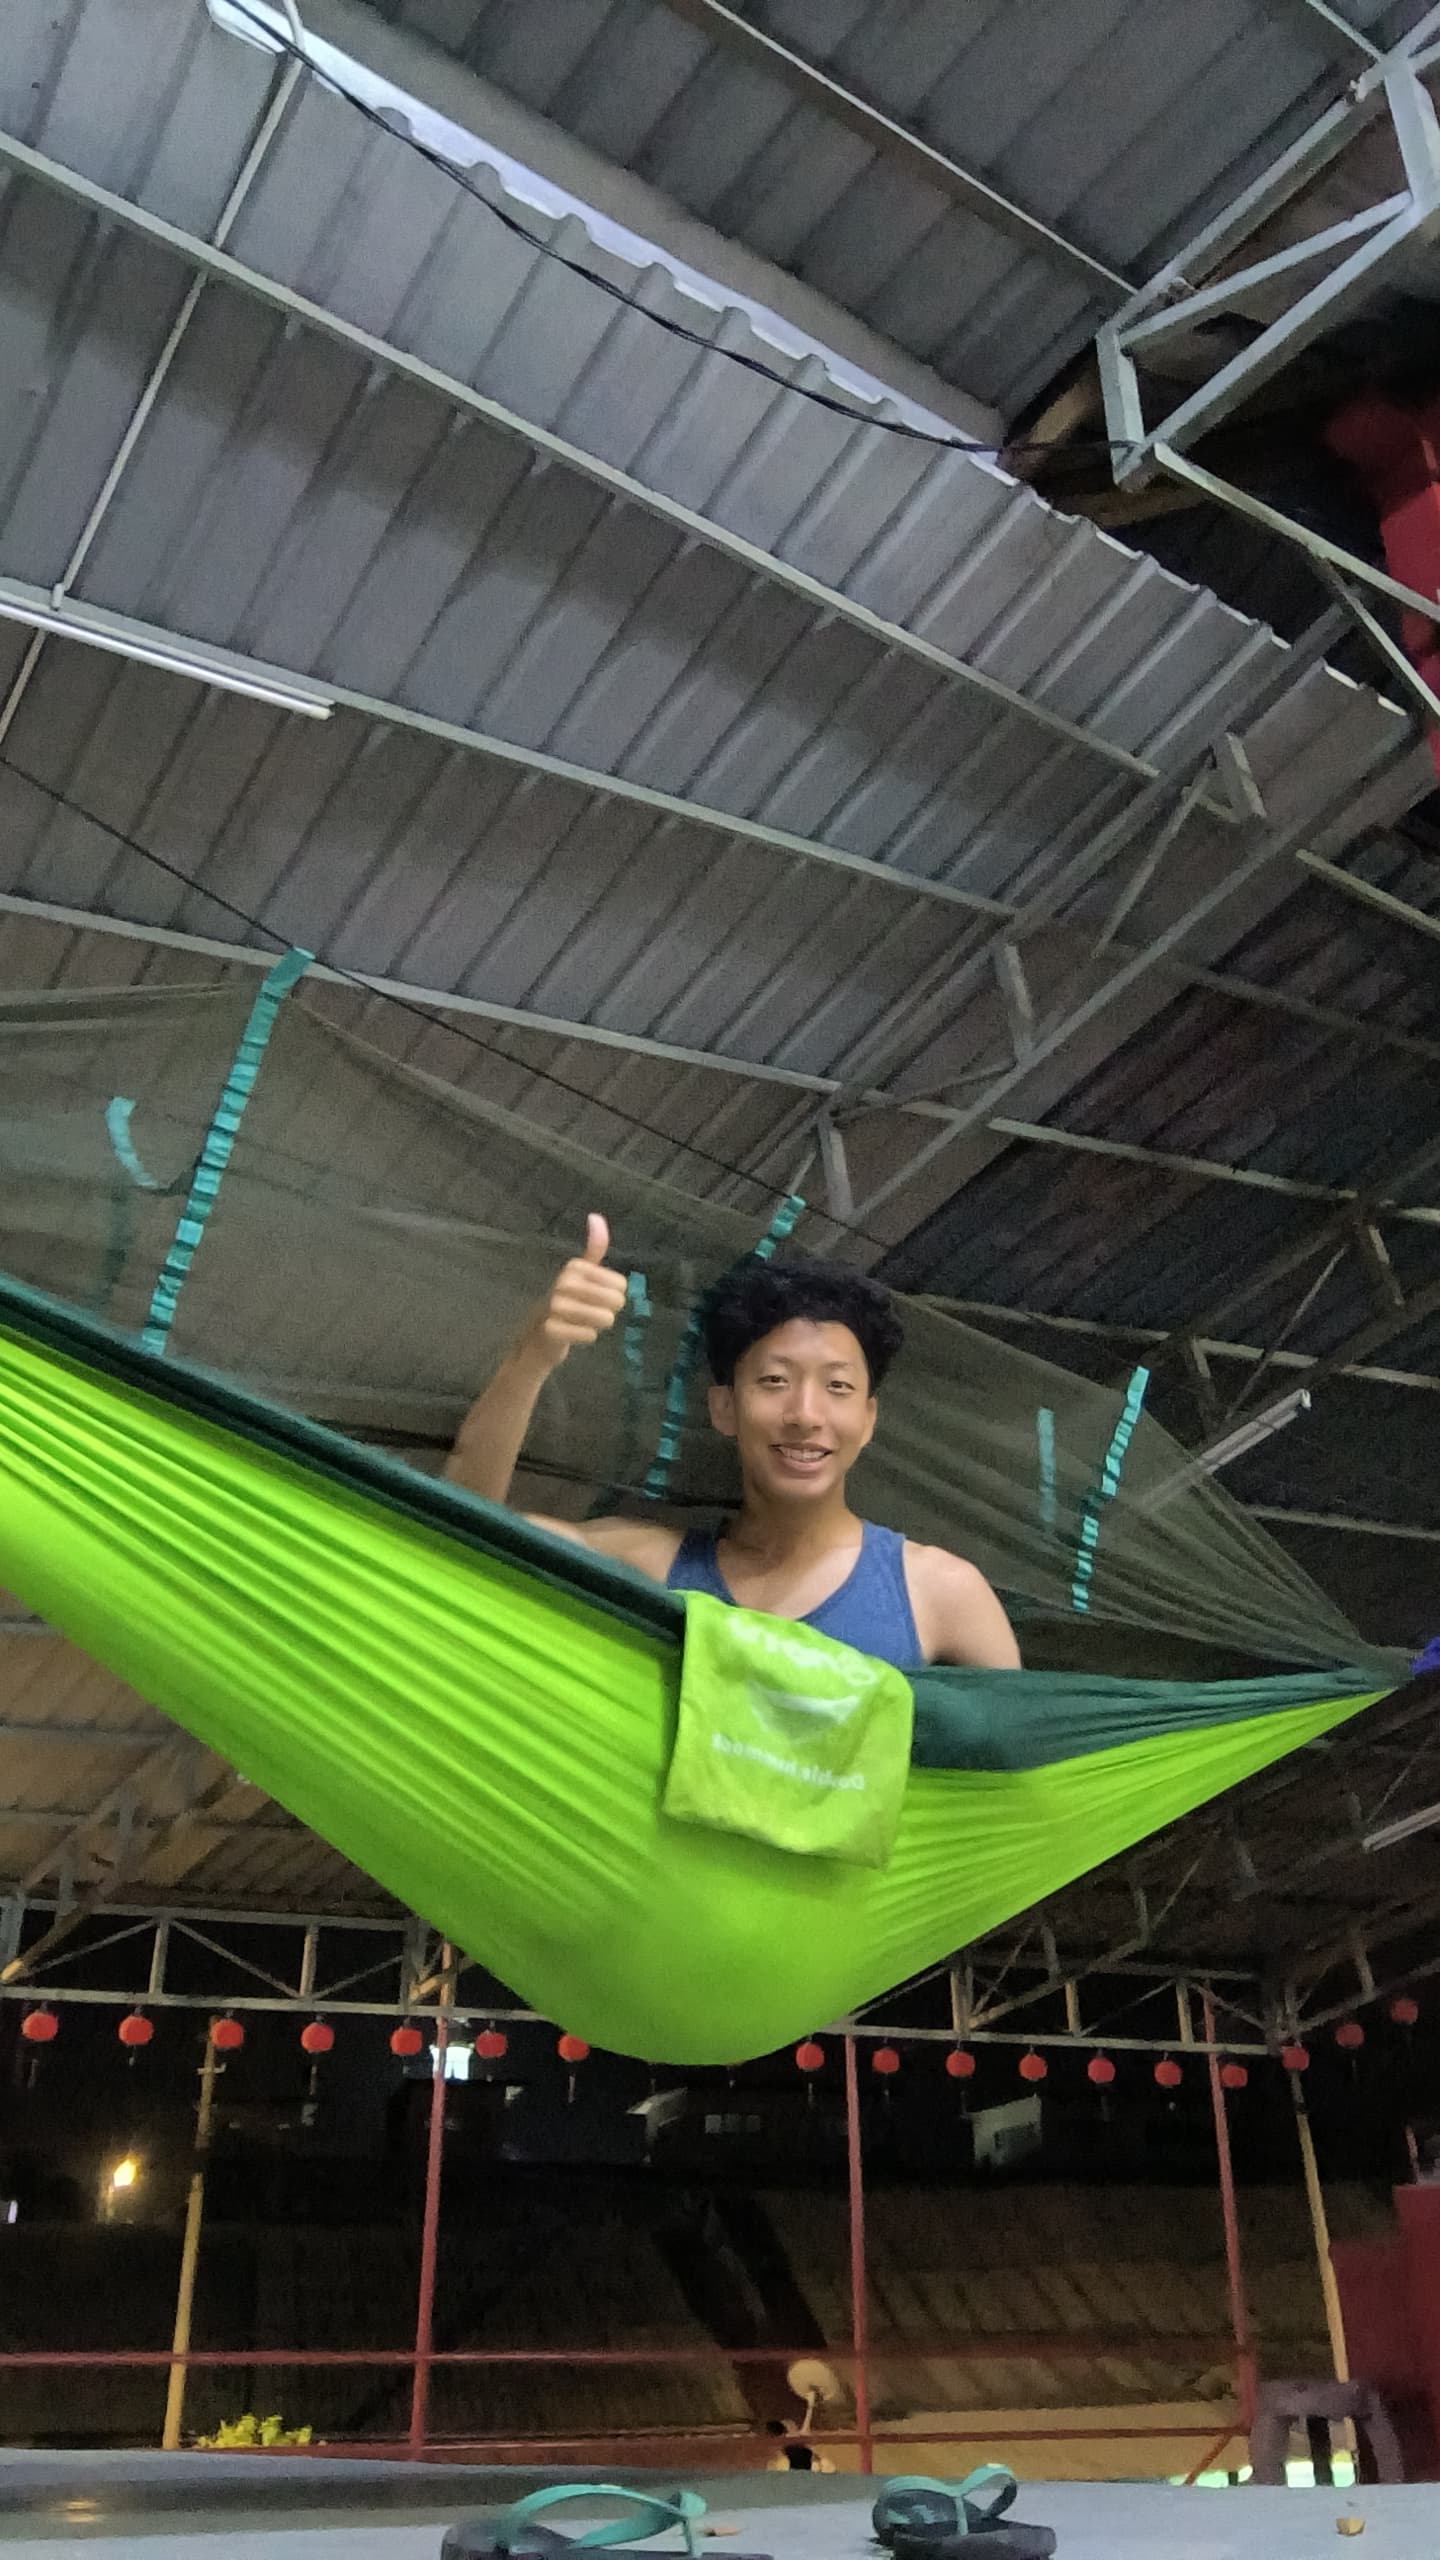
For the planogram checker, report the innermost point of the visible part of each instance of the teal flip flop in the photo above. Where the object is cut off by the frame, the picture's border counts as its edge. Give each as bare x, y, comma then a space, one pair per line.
516, 2534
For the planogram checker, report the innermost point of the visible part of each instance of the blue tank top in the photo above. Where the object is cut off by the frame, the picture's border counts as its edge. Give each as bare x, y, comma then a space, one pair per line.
871, 1610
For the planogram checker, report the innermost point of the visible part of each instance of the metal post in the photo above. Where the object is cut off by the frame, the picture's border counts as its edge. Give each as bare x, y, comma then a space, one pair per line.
859, 2308
190, 2251
1319, 2224
1245, 2361
430, 2223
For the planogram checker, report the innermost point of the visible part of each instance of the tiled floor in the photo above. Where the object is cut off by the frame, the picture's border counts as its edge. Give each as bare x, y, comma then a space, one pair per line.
157, 2507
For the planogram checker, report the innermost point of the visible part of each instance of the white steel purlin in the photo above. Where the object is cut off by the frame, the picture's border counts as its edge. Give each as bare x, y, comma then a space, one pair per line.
1368, 249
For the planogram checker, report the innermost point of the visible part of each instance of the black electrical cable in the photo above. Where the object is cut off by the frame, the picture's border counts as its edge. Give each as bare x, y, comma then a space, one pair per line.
837, 405
421, 1013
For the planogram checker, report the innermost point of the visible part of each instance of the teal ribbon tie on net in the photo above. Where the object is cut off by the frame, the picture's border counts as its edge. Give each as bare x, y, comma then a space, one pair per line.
1045, 1452
219, 1146
1105, 1491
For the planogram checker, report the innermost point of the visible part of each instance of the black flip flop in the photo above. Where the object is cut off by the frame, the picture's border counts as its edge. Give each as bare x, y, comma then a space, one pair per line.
920, 2519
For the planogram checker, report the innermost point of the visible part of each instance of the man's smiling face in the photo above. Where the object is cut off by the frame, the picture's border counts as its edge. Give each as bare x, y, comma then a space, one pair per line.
800, 1411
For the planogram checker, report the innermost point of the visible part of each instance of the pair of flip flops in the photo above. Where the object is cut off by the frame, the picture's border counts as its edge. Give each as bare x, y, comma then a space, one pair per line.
920, 2519
518, 2534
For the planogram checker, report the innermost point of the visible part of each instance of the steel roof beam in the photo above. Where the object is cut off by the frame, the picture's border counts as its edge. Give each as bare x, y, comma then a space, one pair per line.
1176, 299
1289, 1260
89, 1736
1340, 1521
152, 1831
1353, 39
742, 830
261, 1915
1139, 1337
1367, 893
826, 1088
266, 133
816, 88
686, 522
1261, 848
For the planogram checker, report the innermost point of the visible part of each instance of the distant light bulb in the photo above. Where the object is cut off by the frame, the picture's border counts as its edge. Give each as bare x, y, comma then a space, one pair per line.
124, 2173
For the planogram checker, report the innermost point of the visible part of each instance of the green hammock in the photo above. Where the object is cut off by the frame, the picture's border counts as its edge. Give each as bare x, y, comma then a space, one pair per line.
481, 1717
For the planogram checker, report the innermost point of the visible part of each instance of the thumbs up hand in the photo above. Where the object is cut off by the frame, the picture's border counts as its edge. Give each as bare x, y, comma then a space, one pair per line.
584, 1301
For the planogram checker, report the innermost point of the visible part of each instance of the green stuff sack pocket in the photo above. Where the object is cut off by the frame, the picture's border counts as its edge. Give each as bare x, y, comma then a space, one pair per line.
787, 1737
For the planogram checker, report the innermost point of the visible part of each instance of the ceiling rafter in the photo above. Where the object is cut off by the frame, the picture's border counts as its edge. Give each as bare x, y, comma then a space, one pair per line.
548, 447
1377, 1208
893, 141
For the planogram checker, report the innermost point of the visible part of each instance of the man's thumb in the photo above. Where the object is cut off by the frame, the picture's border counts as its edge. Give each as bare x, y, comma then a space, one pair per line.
597, 1238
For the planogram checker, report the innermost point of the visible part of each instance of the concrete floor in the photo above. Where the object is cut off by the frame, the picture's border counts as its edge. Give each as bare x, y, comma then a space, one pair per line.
155, 2507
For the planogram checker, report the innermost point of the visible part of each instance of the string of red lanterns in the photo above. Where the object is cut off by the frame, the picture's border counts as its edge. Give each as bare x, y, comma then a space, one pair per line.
226, 2033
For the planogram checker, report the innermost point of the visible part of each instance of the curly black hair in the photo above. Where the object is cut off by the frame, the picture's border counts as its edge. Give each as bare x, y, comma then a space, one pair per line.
758, 1297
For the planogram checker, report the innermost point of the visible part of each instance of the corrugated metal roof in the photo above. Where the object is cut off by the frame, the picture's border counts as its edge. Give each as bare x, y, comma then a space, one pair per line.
1128, 1244
1121, 2264
288, 499
1120, 125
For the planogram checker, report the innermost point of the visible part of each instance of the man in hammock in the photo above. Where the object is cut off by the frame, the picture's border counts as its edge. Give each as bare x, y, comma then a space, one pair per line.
797, 1352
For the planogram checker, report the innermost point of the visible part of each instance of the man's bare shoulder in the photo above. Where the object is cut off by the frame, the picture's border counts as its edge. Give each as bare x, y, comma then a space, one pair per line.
957, 1615
642, 1544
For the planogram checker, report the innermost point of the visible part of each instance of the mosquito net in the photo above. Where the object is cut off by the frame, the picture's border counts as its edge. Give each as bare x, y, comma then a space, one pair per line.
254, 1189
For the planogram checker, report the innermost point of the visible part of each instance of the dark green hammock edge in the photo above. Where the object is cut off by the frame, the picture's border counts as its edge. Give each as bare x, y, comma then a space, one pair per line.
482, 1717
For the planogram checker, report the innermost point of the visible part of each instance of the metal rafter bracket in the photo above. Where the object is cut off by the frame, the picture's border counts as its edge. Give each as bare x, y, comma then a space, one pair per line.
1372, 241
1195, 1361
1259, 847
1017, 999
835, 1166
1382, 643
1380, 1270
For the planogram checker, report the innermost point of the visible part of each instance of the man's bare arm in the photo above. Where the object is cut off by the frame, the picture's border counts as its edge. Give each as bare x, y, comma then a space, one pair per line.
583, 1304
957, 1616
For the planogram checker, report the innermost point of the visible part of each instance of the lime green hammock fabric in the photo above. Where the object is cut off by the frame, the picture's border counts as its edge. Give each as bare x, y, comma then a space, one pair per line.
481, 1717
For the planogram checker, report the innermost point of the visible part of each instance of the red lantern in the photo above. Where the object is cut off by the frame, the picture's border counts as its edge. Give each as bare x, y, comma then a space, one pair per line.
318, 2037
1349, 2035
226, 2034
1233, 2075
960, 2064
885, 2060
1404, 2011
1033, 2066
137, 2029
1294, 2057
491, 2046
406, 2042
39, 2026
1168, 2074
1101, 2070
809, 2056
571, 2049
